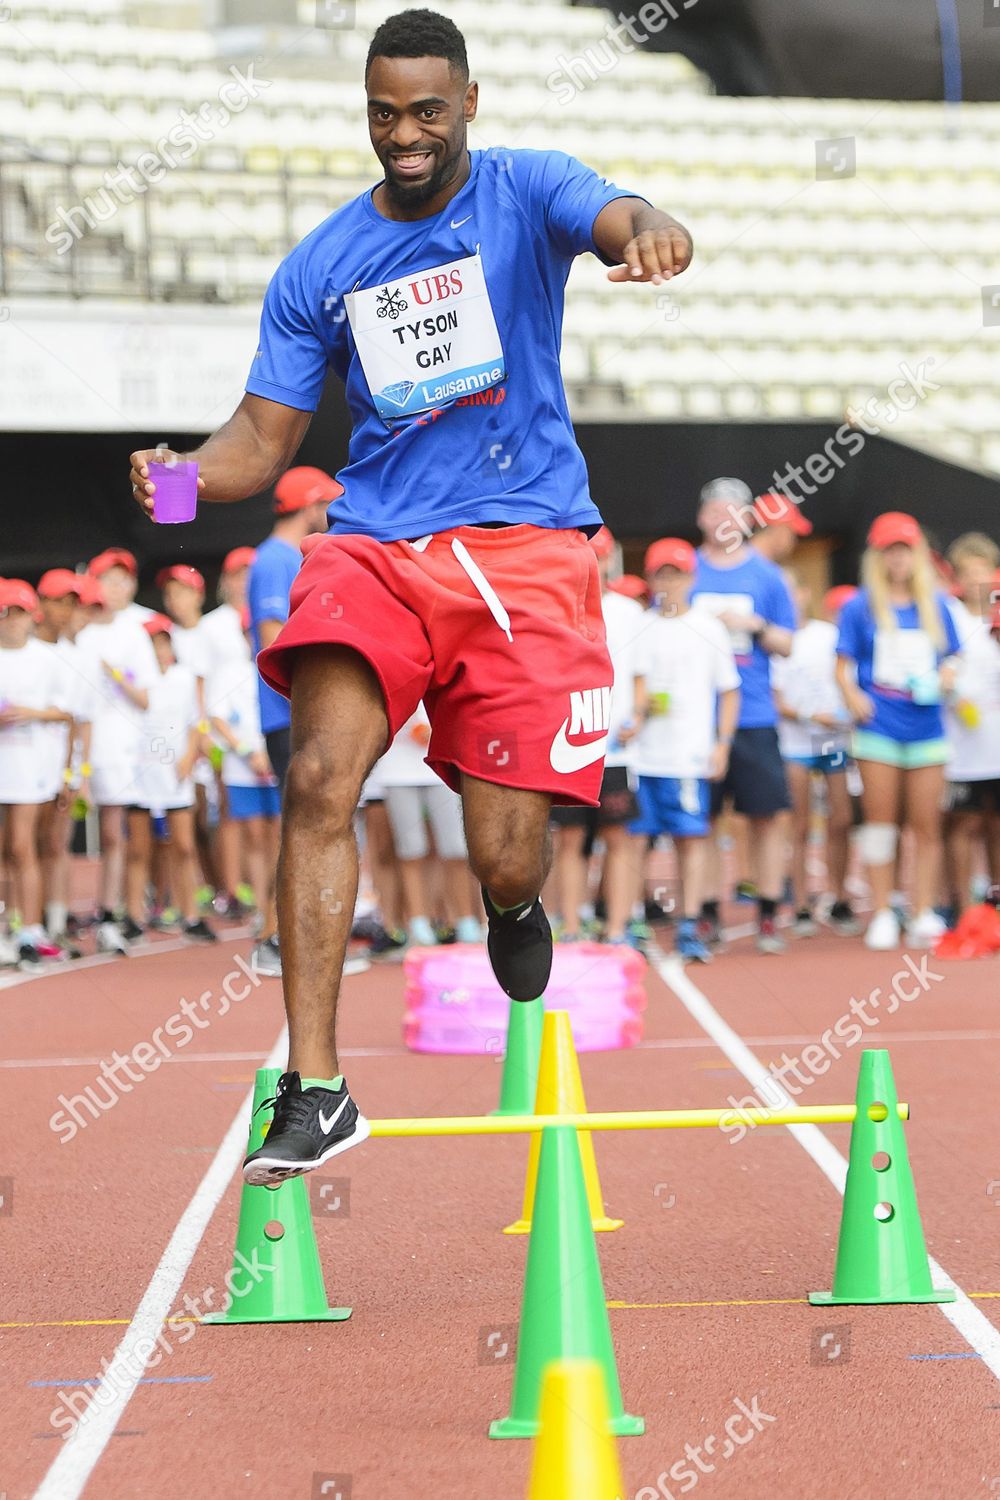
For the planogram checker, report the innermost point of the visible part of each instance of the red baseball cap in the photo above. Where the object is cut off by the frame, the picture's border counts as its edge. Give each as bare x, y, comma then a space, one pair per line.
603, 542
240, 557
91, 592
304, 486
834, 599
774, 509
181, 573
158, 625
631, 585
894, 526
15, 593
58, 582
670, 552
112, 557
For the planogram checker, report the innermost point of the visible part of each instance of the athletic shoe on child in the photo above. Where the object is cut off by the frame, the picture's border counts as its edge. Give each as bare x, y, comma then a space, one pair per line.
883, 930
110, 939
421, 934
804, 925
519, 943
769, 939
843, 921
310, 1125
199, 931
925, 929
469, 930
689, 944
130, 930
265, 959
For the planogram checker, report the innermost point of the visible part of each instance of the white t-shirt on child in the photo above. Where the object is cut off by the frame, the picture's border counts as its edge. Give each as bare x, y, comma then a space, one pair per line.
690, 658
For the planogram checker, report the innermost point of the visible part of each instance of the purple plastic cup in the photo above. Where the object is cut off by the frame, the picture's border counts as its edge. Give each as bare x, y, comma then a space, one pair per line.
175, 498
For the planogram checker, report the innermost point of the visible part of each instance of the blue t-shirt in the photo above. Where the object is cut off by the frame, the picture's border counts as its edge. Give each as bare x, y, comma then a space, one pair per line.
897, 668
755, 586
272, 574
446, 333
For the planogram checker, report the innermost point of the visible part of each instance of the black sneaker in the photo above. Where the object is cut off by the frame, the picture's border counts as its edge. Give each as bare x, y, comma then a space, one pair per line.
130, 929
309, 1126
519, 943
200, 931
843, 920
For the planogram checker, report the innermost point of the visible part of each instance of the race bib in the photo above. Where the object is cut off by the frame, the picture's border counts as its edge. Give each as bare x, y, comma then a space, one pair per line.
427, 338
901, 658
739, 604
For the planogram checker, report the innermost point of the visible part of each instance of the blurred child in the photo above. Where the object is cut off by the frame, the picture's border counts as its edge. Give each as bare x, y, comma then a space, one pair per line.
972, 722
170, 746
814, 732
687, 698
250, 785
414, 797
898, 636
33, 720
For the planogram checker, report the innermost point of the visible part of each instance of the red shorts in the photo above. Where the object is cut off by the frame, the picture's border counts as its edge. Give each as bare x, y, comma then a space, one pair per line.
499, 631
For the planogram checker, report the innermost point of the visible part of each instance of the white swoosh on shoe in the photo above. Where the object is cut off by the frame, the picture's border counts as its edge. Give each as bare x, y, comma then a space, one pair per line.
566, 758
327, 1124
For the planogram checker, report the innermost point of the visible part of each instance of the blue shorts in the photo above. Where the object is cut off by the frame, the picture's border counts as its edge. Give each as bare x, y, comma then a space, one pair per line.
826, 764
675, 805
253, 802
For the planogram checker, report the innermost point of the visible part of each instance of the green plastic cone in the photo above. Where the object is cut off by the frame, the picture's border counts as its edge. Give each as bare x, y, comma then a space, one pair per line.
276, 1275
881, 1256
563, 1312
521, 1054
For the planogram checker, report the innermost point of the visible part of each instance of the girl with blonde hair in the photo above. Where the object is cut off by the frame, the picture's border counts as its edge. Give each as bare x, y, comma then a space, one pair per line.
894, 666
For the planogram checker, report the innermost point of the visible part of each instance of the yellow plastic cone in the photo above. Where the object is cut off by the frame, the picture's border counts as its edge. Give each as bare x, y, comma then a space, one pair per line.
560, 1092
576, 1457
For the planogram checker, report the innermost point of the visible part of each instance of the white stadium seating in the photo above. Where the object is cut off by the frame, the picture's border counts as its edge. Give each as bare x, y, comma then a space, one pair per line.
807, 295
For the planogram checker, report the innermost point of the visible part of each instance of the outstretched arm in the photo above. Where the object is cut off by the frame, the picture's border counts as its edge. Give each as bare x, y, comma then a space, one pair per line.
247, 453
644, 243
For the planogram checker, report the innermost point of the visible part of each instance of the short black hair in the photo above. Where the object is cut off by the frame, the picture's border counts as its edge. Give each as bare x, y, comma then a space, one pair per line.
420, 33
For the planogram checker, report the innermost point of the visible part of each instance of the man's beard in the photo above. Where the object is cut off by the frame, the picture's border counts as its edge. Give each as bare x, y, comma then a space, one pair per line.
415, 194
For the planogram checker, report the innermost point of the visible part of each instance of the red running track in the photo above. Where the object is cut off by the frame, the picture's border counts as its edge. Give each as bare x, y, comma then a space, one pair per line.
706, 1281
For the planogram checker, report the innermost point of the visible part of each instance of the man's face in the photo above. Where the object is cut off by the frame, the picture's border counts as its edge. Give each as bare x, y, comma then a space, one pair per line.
119, 587
718, 522
418, 110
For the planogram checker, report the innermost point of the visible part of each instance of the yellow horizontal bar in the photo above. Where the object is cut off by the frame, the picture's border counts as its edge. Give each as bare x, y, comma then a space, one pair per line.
640, 1119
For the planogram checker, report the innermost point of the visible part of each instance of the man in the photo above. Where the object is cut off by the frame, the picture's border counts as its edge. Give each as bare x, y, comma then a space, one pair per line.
781, 526
301, 497
748, 594
458, 570
577, 827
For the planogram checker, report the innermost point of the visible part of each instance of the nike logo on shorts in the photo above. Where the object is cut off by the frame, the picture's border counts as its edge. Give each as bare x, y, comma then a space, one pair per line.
566, 758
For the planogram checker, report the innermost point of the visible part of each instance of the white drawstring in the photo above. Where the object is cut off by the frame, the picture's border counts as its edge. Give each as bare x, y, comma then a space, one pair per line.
483, 586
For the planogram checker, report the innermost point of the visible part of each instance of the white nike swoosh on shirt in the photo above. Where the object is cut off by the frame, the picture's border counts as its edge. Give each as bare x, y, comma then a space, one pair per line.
457, 223
327, 1124
566, 758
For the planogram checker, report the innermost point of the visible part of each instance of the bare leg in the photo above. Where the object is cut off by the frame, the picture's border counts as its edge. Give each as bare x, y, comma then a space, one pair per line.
768, 840
137, 862
622, 865
112, 855
963, 829
383, 863
692, 857
924, 787
183, 861
456, 885
21, 852
227, 846
838, 833
880, 799
414, 888
799, 786
507, 830
254, 839
339, 729
570, 876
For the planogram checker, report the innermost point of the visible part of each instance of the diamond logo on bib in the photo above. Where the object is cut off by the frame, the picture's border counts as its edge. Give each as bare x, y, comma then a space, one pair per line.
427, 338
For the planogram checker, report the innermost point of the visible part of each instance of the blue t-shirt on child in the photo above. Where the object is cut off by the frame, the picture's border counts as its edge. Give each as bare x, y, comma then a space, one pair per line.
755, 586
898, 668
446, 333
272, 574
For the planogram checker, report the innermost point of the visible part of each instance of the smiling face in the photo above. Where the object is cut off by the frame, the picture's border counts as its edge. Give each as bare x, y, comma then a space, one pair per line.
418, 110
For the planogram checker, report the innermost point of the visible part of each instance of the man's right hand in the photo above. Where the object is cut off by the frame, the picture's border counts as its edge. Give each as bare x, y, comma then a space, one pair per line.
143, 487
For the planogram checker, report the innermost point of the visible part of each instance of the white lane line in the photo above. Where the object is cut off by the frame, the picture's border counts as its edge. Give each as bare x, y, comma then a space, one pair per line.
210, 1057
67, 1476
977, 1330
